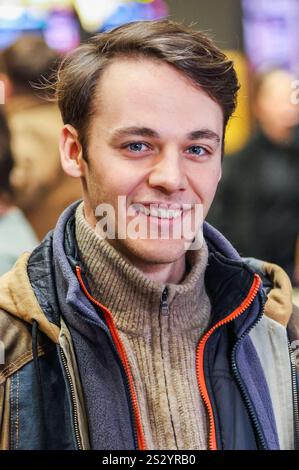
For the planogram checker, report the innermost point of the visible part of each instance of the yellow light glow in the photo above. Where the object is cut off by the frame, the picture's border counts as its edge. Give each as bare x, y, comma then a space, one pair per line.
239, 126
47, 4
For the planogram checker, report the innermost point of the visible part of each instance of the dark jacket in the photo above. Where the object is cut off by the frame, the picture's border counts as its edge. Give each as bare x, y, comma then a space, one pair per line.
42, 402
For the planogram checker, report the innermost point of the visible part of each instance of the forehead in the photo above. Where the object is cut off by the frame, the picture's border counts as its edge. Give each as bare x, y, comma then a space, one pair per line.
154, 94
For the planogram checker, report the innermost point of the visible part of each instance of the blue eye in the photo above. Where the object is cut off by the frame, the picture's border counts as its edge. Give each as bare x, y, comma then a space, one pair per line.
197, 150
137, 147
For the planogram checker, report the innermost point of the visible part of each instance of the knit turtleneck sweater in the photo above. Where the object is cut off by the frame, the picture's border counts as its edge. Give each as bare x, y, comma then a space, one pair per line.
161, 349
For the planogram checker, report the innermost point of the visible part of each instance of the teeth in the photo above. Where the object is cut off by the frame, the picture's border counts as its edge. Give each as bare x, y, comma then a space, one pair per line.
160, 212
165, 213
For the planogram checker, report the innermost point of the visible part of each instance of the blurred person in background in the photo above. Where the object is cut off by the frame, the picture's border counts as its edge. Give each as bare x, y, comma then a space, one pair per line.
42, 189
257, 206
16, 235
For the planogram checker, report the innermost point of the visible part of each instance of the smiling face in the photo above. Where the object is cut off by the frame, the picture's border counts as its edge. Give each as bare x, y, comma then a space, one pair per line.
155, 138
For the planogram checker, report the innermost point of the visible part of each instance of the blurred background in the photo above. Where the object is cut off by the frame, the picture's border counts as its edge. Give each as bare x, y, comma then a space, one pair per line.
257, 205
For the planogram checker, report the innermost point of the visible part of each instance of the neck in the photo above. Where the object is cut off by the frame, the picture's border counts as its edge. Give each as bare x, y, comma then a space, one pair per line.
162, 273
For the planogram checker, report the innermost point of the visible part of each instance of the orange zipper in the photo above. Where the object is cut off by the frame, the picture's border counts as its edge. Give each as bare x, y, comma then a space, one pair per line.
200, 357
123, 357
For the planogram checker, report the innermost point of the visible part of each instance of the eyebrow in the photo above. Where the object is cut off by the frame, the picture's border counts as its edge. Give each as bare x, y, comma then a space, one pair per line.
204, 134
147, 132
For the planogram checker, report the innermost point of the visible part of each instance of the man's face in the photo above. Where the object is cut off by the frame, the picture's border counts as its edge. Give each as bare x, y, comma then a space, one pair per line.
155, 139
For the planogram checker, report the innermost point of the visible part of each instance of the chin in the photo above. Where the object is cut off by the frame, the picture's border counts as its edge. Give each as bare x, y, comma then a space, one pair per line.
155, 251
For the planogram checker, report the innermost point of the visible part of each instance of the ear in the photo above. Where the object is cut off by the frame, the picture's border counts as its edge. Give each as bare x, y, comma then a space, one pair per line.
71, 152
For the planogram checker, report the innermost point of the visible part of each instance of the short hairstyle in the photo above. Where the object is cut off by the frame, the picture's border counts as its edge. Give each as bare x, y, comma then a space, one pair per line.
190, 52
6, 160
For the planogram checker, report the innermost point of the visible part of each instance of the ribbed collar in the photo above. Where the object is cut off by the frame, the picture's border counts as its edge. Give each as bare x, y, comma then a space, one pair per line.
130, 296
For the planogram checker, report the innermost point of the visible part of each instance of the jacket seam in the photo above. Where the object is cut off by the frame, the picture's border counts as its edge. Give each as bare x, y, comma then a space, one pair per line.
14, 406
17, 410
20, 362
11, 408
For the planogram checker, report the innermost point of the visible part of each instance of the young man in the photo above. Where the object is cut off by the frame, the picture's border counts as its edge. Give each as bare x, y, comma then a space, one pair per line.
116, 340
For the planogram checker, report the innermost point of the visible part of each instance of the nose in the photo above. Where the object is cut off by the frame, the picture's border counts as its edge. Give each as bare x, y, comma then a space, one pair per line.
168, 172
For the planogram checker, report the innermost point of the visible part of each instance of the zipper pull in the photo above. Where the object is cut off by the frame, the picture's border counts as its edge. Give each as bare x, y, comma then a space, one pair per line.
164, 302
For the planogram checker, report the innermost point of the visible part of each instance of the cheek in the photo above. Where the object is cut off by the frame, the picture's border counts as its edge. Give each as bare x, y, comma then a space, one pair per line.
205, 183
109, 182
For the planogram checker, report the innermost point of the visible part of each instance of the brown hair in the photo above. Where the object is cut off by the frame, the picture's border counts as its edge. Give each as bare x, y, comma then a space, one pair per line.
190, 52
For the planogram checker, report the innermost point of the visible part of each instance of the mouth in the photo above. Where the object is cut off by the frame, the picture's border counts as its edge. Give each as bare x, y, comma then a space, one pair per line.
161, 211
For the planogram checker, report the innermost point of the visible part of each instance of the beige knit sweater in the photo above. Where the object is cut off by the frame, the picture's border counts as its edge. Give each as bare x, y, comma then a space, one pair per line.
161, 348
